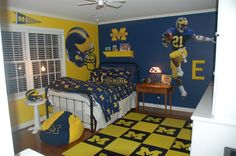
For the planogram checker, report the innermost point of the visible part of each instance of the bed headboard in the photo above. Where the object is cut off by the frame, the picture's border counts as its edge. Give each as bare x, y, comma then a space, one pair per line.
131, 66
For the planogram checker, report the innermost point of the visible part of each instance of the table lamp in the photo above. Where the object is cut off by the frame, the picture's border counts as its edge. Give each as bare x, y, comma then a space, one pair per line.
156, 71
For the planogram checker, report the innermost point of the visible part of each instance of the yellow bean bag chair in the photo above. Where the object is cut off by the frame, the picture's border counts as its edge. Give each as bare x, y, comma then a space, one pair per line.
61, 128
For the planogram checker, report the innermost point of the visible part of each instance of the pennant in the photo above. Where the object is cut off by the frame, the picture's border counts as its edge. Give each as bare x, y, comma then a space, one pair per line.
23, 19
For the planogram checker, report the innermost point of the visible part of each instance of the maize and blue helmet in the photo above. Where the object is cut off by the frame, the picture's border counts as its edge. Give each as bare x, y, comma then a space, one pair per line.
181, 24
33, 95
80, 48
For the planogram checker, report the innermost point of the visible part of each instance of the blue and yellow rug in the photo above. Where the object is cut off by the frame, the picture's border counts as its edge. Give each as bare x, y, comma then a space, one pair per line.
138, 134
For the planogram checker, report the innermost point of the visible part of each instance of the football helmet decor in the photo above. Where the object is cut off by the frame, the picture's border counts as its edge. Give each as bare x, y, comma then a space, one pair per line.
181, 24
33, 95
80, 49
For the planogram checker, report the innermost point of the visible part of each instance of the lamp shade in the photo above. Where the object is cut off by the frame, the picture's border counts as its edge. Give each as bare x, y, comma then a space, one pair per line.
155, 70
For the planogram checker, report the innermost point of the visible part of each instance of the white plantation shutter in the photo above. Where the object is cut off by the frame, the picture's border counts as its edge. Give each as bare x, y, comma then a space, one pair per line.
45, 49
25, 51
13, 52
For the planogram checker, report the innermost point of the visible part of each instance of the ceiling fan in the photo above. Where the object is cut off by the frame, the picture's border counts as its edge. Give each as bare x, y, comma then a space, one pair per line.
101, 3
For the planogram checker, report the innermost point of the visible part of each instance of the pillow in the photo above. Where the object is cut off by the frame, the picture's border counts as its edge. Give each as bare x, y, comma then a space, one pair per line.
114, 76
117, 77
97, 75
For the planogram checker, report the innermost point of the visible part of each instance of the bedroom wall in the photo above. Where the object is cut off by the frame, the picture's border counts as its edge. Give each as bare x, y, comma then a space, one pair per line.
22, 115
144, 36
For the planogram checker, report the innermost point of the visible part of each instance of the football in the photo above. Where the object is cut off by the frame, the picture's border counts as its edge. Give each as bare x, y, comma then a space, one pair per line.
169, 37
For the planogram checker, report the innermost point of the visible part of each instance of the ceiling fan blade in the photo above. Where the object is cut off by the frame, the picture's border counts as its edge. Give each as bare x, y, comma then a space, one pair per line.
91, 0
114, 6
86, 3
100, 3
115, 1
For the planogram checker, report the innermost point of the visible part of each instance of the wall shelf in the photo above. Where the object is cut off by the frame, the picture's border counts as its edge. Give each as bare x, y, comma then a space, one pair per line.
118, 54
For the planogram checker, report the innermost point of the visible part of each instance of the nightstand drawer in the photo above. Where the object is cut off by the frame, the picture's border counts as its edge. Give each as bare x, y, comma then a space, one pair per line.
151, 90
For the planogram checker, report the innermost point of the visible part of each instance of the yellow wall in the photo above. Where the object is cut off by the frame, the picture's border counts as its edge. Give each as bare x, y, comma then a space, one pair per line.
19, 112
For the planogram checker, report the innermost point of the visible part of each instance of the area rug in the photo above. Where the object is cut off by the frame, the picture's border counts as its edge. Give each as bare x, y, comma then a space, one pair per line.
138, 134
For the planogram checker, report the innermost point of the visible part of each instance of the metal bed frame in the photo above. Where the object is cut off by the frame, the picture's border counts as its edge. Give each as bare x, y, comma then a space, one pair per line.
93, 121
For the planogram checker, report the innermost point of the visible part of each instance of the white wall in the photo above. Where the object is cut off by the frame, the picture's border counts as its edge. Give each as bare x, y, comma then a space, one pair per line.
214, 128
210, 138
224, 98
5, 126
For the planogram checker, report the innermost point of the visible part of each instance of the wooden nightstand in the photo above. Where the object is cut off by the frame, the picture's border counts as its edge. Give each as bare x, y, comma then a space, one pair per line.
154, 89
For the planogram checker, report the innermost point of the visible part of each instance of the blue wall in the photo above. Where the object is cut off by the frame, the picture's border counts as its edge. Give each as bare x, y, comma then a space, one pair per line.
145, 38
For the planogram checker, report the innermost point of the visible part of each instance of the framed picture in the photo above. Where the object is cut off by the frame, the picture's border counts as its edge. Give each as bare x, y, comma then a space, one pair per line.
107, 48
166, 79
124, 46
114, 48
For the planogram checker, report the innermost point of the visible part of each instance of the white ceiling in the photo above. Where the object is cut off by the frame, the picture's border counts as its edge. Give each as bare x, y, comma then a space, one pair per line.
132, 9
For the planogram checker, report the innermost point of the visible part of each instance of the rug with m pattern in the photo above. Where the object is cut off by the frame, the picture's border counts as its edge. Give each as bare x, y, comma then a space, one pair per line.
138, 134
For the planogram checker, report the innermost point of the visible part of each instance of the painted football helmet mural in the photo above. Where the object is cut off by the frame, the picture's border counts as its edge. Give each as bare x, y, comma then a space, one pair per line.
80, 49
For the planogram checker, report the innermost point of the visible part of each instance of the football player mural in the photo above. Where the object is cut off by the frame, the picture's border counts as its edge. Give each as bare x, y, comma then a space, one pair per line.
177, 38
80, 49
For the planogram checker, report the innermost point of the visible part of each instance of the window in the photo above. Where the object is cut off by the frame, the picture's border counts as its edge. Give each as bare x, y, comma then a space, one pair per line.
14, 60
45, 50
25, 51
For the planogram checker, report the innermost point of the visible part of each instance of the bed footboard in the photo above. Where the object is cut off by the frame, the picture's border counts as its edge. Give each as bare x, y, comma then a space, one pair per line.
71, 105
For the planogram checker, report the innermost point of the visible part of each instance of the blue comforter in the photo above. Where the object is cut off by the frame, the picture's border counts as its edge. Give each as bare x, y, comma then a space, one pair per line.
106, 94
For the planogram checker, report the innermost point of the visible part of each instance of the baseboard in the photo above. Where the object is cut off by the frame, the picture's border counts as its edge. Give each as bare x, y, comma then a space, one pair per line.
27, 124
161, 106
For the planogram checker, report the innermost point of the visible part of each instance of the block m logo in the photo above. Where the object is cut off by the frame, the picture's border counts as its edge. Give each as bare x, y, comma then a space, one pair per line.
124, 123
146, 151
98, 140
169, 131
132, 134
118, 35
55, 129
152, 119
181, 146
